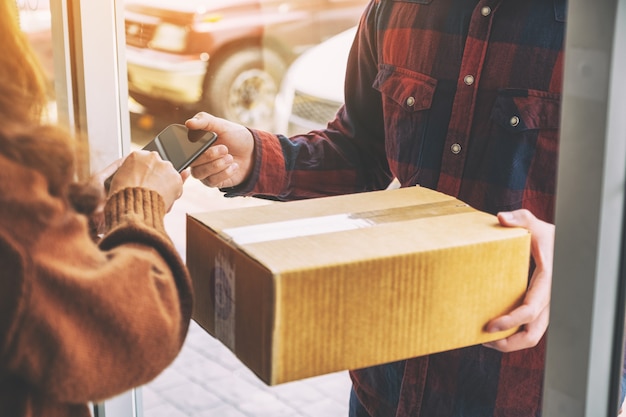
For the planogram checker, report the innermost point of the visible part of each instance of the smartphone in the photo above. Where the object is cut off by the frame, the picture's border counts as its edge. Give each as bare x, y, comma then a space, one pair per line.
178, 145
181, 146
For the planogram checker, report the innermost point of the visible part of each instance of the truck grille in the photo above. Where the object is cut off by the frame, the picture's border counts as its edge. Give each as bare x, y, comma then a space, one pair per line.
314, 109
139, 34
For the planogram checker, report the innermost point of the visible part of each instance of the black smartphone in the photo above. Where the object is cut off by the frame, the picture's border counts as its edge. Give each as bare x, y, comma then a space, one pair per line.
178, 145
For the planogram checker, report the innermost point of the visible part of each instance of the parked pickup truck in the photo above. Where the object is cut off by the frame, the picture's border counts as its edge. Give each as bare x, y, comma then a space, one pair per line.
224, 56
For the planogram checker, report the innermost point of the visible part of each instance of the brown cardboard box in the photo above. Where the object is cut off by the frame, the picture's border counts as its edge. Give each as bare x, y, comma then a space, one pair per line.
305, 288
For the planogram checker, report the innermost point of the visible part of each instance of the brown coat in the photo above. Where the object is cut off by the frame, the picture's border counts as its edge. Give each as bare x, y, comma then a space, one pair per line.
81, 321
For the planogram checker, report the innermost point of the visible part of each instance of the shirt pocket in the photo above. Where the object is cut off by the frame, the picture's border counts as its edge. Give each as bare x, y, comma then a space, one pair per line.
524, 149
410, 90
407, 97
519, 111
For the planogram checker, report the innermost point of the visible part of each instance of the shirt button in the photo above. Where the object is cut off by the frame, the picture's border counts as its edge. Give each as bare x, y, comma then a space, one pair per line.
469, 79
455, 148
514, 121
410, 101
485, 11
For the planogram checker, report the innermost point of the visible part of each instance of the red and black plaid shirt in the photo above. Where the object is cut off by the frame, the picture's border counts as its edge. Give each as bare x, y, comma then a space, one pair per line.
462, 96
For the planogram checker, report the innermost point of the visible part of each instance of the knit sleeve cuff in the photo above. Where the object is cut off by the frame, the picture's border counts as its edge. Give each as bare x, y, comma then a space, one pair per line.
135, 204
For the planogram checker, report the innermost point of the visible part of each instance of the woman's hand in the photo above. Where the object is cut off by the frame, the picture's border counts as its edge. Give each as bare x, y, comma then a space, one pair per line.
533, 315
147, 170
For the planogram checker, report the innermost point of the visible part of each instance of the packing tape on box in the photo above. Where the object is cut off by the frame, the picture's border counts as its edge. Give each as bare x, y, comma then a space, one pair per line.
340, 222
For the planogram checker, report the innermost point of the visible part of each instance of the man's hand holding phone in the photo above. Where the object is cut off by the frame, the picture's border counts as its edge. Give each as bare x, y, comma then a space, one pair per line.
229, 162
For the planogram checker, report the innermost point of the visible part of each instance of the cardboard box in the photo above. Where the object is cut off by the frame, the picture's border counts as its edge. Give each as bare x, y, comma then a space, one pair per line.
305, 288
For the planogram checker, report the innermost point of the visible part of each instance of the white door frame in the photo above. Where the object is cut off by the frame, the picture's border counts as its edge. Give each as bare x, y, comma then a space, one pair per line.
587, 310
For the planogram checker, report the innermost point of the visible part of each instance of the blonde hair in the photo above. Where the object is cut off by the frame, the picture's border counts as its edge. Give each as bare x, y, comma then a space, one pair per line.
25, 137
23, 94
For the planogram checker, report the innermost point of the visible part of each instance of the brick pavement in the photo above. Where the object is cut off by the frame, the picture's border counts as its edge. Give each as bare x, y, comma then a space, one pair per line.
207, 380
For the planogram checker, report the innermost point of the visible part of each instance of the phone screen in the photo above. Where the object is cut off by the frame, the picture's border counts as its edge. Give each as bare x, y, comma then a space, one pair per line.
174, 145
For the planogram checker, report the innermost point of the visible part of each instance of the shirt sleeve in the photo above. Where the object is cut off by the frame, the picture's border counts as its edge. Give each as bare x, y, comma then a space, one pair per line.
347, 156
89, 322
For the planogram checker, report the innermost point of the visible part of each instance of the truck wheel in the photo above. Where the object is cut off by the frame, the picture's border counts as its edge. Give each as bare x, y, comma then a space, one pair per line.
243, 86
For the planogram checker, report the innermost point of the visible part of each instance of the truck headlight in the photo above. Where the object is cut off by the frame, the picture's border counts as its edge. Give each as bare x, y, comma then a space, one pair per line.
169, 37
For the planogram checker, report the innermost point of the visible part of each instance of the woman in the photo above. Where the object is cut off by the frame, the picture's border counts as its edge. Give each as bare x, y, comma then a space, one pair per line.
80, 321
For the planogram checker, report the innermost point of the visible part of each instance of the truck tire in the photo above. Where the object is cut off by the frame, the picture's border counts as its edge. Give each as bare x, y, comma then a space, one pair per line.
242, 86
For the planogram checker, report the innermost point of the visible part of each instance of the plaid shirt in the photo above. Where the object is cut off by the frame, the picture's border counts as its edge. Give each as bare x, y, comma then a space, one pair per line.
462, 96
